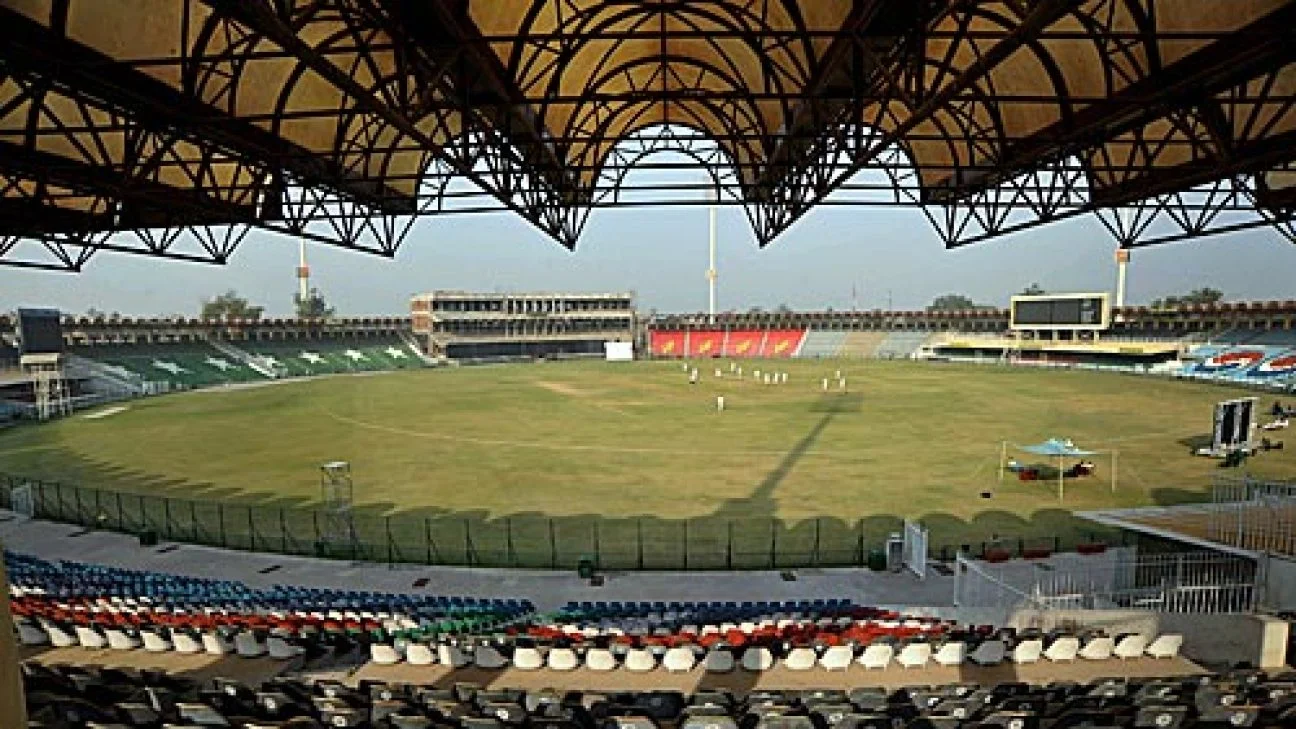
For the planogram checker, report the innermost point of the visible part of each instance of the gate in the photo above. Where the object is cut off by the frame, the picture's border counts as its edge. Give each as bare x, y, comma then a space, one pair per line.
22, 502
915, 548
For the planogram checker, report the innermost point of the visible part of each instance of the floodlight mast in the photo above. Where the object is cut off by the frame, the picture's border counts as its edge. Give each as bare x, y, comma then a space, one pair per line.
711, 273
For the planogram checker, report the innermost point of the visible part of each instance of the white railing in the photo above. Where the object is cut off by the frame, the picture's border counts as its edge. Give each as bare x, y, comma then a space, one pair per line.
1189, 582
1254, 514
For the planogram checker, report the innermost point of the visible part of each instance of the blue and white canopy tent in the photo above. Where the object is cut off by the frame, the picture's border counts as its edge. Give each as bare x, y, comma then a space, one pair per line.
1060, 448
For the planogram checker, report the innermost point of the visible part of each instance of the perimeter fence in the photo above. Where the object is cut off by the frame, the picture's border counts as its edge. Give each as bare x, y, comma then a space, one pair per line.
523, 541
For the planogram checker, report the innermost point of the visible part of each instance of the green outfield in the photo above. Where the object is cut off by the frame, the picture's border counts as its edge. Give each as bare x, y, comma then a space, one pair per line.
620, 444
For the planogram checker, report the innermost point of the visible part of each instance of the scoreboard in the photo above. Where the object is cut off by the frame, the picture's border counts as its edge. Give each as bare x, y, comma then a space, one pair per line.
1074, 312
40, 331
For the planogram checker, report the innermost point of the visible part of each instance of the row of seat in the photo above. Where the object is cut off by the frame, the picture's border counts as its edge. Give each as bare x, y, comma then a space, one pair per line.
105, 613
65, 696
793, 627
881, 655
244, 643
130, 589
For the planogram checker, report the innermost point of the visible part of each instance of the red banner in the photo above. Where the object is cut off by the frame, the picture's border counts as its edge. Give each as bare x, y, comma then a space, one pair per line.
705, 344
782, 343
744, 343
666, 344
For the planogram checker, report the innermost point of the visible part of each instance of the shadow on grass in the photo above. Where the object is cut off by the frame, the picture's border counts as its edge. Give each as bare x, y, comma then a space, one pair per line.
1195, 442
744, 533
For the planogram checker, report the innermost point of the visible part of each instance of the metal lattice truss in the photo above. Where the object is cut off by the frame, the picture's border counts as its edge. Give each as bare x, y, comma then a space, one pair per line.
172, 127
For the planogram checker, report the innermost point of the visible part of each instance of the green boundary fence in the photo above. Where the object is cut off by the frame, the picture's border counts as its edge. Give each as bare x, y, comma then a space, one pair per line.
708, 543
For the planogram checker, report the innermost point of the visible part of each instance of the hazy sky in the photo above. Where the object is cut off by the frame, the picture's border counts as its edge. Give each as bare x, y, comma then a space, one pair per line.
661, 254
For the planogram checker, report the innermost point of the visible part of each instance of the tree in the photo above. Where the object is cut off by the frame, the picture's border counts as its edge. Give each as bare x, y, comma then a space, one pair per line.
783, 309
1196, 297
1033, 290
313, 307
230, 305
951, 302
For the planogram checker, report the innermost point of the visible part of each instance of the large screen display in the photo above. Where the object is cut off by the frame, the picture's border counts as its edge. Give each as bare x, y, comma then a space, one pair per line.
40, 331
1088, 311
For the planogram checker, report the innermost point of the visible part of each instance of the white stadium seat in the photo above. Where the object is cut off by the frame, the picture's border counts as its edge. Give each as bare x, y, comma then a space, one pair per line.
1027, 651
600, 659
119, 640
1065, 648
215, 644
527, 659
679, 660
951, 653
562, 659
1166, 646
1098, 649
184, 643
58, 637
419, 654
640, 660
914, 655
90, 638
800, 659
155, 642
1131, 646
380, 653
877, 656
837, 658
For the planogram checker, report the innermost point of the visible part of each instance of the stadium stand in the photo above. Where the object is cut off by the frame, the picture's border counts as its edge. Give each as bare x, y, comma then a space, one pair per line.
766, 343
69, 603
189, 365
72, 696
901, 345
819, 344
1273, 365
862, 344
1276, 338
323, 356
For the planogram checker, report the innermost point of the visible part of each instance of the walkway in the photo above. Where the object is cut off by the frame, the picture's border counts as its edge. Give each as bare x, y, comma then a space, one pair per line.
548, 590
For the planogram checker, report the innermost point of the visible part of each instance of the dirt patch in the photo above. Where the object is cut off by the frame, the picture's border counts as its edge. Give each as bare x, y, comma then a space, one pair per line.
585, 395
563, 389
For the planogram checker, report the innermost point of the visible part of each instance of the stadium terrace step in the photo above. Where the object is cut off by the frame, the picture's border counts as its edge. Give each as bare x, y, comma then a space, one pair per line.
901, 345
823, 344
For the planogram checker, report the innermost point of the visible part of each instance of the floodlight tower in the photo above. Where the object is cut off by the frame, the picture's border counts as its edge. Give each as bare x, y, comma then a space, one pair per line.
711, 269
303, 276
1122, 266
